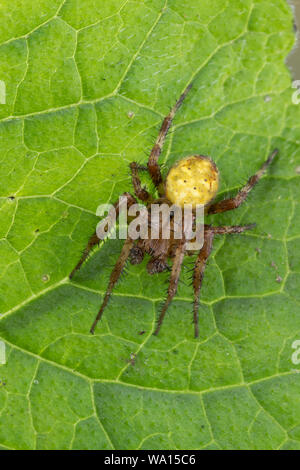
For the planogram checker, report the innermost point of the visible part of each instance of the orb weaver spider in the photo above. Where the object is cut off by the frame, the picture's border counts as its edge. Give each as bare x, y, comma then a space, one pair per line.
192, 180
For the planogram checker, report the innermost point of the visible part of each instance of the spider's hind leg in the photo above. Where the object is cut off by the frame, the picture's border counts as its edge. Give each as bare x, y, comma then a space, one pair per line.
235, 202
153, 166
139, 191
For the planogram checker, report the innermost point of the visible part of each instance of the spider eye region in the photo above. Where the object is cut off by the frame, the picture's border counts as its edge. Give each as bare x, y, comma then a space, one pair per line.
193, 180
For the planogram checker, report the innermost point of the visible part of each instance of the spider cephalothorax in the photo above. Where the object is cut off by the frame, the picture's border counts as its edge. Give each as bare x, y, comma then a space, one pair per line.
194, 181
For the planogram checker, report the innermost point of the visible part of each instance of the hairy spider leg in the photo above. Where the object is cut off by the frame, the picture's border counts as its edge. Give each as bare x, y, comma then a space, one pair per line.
116, 272
235, 202
200, 265
174, 279
94, 240
198, 275
139, 191
153, 166
229, 229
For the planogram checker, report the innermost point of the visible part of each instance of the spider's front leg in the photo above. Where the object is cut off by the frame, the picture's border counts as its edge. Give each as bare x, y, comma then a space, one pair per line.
198, 275
116, 272
94, 240
174, 279
200, 265
235, 202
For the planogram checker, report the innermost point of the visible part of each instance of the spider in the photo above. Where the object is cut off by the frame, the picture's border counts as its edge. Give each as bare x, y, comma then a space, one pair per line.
192, 180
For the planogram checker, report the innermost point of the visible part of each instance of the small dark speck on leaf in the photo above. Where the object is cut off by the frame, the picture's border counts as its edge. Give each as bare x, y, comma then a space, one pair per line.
45, 278
132, 359
279, 279
142, 332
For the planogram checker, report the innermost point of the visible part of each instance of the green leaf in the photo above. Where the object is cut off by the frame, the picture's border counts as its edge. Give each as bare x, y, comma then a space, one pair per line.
88, 84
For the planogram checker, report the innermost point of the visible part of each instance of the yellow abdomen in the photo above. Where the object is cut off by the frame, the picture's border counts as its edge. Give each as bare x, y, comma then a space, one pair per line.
193, 180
